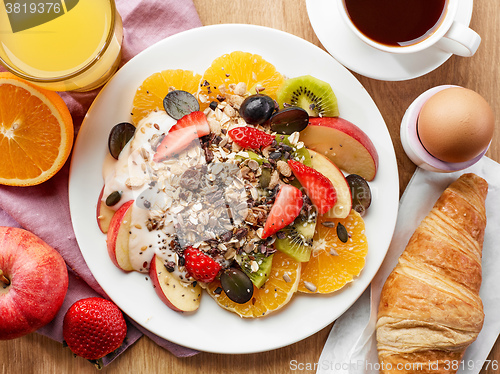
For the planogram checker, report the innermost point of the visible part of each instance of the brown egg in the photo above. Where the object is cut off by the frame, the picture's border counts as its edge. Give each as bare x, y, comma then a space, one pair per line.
455, 124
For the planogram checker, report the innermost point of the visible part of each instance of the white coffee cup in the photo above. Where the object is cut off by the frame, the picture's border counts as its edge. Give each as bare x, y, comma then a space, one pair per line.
449, 36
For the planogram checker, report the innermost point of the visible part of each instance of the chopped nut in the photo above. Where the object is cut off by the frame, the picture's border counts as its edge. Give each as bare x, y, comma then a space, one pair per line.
251, 219
230, 253
253, 165
275, 179
260, 232
283, 168
254, 193
235, 101
266, 151
214, 125
203, 98
240, 89
244, 172
230, 112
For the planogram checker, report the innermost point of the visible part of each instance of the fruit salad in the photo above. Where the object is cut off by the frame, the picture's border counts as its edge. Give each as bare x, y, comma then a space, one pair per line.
240, 183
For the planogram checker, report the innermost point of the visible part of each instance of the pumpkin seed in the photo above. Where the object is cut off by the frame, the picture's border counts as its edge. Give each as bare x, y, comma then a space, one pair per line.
360, 192
113, 198
119, 136
342, 233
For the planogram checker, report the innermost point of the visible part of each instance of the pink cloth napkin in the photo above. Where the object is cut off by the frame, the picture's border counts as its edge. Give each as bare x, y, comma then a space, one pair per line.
44, 209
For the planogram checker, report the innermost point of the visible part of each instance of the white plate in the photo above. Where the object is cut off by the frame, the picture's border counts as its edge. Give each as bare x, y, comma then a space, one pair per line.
211, 328
353, 53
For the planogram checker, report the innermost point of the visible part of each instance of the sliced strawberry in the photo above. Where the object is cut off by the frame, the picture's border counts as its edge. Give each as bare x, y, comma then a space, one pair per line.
200, 266
190, 127
318, 187
286, 208
249, 137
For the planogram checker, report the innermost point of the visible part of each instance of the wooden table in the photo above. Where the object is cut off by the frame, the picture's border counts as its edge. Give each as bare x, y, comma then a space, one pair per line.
37, 354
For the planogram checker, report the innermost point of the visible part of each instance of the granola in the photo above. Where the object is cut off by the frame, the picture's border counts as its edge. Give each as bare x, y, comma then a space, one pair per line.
213, 196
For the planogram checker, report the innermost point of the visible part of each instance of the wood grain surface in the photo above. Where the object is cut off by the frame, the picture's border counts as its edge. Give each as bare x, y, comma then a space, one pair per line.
37, 354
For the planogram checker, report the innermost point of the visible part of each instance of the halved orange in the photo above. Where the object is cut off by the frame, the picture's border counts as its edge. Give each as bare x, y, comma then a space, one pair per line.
236, 67
276, 292
149, 96
36, 132
334, 263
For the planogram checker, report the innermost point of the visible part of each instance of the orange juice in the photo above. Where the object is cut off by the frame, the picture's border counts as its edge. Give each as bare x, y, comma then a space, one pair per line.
74, 45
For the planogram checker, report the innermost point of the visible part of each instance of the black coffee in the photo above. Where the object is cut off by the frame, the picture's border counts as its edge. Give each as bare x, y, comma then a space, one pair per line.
396, 22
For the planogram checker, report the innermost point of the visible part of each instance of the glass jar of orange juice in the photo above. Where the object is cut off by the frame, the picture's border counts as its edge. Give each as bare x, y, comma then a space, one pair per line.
61, 45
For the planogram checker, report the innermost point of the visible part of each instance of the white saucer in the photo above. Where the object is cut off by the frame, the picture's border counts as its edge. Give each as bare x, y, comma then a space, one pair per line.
359, 57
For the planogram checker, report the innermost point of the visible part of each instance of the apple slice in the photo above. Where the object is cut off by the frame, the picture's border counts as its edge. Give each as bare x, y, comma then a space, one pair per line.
104, 214
176, 295
343, 206
118, 237
344, 143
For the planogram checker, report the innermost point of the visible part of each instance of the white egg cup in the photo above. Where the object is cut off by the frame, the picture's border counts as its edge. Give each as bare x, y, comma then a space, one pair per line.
414, 148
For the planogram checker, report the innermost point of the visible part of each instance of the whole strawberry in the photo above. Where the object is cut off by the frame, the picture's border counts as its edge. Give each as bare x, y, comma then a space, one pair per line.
94, 327
200, 266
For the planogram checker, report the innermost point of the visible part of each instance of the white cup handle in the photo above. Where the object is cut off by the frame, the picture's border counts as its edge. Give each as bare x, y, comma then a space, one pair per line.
460, 40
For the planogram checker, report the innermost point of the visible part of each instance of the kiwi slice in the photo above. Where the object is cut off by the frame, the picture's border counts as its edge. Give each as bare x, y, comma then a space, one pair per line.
258, 277
252, 156
299, 236
309, 93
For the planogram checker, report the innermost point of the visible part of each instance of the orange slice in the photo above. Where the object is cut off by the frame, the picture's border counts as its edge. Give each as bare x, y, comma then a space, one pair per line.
237, 67
333, 263
276, 292
149, 96
36, 132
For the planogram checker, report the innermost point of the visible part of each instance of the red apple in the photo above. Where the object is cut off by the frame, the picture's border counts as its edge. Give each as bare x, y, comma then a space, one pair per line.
175, 294
33, 282
118, 237
344, 143
104, 214
343, 206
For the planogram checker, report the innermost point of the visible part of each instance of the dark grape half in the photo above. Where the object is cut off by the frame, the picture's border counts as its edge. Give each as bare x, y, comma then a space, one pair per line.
289, 120
180, 103
237, 286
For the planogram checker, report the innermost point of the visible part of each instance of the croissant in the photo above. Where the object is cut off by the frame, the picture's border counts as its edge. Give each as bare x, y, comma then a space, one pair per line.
430, 310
